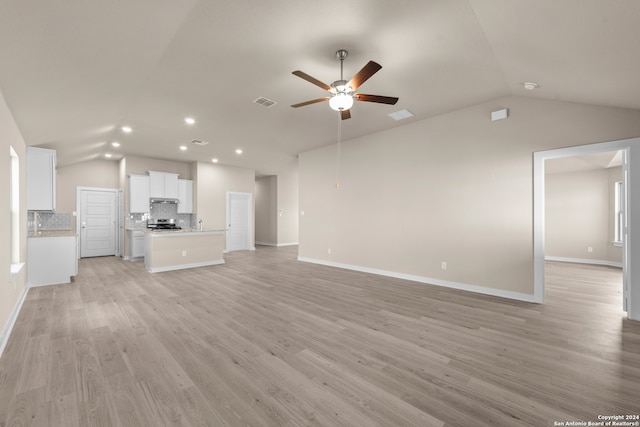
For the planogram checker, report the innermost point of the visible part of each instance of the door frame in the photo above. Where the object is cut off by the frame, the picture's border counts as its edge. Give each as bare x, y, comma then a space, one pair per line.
78, 215
249, 197
631, 248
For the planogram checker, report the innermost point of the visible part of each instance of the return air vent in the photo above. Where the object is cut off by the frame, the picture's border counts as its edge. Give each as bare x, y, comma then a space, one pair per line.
199, 142
266, 102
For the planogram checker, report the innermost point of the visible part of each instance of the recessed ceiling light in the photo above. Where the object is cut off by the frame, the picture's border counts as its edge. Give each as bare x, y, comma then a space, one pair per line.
214, 160
115, 144
126, 129
238, 151
108, 155
189, 120
530, 85
183, 147
401, 115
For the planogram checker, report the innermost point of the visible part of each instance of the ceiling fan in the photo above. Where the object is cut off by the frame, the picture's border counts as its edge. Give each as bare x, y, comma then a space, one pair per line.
341, 92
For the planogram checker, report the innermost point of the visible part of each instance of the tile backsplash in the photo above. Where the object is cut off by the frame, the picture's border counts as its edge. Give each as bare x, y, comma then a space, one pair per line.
139, 220
50, 221
164, 210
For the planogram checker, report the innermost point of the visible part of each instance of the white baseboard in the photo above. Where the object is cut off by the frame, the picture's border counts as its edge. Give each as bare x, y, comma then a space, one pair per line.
276, 244
6, 332
428, 280
584, 261
184, 266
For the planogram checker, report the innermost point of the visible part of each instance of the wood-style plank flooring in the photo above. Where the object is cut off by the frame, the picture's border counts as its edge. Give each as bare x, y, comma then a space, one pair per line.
266, 340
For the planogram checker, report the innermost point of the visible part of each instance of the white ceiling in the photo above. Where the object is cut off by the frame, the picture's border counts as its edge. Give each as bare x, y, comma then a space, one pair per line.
585, 162
74, 71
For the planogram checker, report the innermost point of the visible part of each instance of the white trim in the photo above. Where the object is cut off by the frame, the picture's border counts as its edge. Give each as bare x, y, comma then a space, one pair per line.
119, 220
631, 156
250, 219
185, 266
427, 280
15, 270
276, 244
584, 261
6, 332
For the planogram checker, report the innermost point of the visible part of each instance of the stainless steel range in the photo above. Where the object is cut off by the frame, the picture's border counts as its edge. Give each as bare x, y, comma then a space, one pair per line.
163, 224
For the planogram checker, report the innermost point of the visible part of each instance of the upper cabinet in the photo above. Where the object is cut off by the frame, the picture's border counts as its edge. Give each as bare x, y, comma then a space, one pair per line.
163, 185
185, 196
41, 179
138, 194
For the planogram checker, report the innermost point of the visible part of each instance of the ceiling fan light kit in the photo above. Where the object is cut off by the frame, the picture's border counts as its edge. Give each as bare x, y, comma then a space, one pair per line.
341, 101
341, 92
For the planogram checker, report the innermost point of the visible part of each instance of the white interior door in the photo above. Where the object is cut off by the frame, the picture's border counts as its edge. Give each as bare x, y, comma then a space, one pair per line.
239, 219
98, 222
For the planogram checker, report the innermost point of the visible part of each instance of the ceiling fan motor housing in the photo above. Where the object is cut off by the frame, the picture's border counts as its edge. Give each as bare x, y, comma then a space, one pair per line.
341, 86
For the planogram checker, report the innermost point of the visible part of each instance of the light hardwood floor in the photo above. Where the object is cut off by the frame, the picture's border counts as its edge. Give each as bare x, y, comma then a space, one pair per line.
265, 340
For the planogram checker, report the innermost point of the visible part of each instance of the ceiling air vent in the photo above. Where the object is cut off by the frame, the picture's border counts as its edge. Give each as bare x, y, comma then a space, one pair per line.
266, 102
199, 142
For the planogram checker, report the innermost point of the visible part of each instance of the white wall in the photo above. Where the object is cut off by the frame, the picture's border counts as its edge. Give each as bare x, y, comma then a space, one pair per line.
579, 215
94, 173
10, 292
456, 188
266, 210
212, 184
287, 205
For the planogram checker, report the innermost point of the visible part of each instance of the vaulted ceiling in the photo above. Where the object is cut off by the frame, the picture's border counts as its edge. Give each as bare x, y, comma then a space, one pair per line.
74, 71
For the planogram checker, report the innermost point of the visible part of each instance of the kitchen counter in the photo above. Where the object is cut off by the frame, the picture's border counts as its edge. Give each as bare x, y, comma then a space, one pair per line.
184, 231
52, 260
168, 250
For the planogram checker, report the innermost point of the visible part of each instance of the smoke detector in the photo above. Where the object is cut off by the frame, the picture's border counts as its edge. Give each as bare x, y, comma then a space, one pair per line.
199, 142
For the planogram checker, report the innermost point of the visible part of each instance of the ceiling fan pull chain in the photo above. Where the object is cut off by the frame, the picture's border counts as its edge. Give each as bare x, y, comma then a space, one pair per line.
338, 147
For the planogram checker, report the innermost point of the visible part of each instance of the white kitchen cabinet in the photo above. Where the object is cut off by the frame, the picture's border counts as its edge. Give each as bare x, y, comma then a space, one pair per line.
51, 260
163, 185
41, 179
136, 244
185, 196
138, 194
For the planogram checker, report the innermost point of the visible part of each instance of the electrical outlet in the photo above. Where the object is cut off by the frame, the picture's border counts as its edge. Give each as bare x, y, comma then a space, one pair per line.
590, 249
329, 251
184, 253
443, 265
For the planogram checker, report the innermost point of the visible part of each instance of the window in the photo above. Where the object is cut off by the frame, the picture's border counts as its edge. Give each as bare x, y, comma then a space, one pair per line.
14, 202
619, 212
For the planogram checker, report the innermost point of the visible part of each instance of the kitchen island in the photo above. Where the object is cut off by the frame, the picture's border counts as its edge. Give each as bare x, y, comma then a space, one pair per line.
180, 249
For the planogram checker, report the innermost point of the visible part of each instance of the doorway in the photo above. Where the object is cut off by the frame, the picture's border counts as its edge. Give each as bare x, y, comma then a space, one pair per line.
239, 221
539, 159
97, 221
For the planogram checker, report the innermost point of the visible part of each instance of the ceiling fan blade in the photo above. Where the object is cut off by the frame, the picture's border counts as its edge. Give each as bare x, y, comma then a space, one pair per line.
313, 101
310, 79
375, 98
363, 75
345, 114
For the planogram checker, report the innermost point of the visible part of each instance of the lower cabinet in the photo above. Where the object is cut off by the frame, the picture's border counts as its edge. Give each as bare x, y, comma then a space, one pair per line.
51, 260
136, 245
